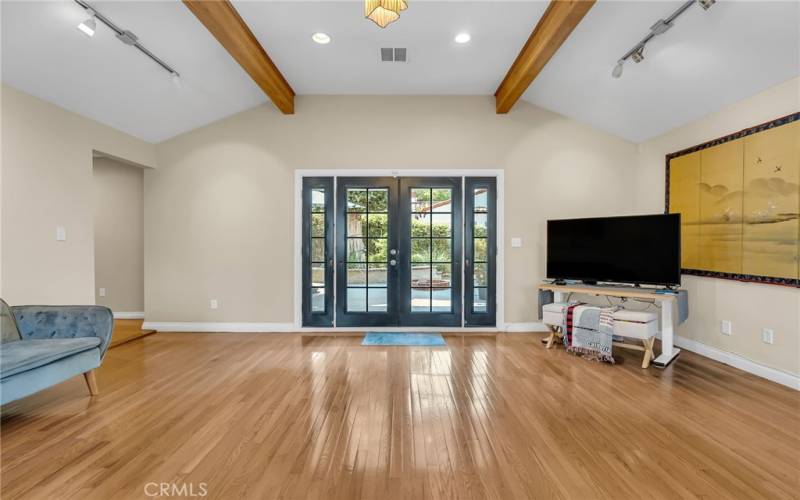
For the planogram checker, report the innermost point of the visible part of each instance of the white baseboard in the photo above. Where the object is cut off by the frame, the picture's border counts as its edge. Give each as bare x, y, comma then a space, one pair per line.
128, 315
525, 327
736, 361
178, 326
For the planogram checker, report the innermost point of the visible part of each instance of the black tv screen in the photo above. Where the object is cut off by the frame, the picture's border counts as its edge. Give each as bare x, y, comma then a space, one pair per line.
640, 249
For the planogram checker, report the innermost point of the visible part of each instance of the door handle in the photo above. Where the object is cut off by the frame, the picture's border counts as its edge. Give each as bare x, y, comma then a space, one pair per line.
392, 262
393, 252
466, 262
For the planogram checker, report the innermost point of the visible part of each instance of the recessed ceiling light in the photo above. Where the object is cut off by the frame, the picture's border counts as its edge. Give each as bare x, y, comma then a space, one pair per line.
463, 38
321, 38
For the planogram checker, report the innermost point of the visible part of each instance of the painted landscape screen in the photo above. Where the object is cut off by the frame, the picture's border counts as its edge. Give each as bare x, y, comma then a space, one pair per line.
739, 201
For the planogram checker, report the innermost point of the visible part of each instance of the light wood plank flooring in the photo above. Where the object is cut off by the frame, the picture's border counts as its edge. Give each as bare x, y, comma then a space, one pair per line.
126, 330
268, 416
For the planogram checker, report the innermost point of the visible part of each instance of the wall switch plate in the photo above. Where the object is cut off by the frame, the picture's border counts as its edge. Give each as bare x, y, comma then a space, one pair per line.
214, 304
768, 336
102, 292
516, 242
726, 327
61, 233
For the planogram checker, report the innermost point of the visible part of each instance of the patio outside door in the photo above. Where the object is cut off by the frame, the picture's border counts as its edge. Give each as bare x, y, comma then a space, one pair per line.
398, 251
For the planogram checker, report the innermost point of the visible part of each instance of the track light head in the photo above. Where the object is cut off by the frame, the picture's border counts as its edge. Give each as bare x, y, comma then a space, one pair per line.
89, 26
706, 4
638, 55
617, 71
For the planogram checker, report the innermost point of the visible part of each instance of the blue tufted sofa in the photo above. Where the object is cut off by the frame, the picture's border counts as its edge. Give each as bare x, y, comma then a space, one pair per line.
45, 345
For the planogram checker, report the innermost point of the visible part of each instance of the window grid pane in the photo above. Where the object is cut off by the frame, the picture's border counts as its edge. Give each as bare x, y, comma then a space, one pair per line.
317, 258
318, 200
431, 235
480, 248
367, 253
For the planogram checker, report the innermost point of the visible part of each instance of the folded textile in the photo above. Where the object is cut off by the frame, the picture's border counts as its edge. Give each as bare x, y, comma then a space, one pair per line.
592, 332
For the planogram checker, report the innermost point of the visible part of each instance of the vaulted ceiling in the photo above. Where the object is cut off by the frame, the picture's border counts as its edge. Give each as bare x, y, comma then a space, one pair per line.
707, 60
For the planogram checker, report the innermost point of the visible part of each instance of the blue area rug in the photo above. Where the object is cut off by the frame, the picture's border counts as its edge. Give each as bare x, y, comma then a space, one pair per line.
404, 338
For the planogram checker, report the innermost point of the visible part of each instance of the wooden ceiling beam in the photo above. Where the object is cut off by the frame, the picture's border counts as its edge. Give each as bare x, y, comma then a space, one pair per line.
227, 26
550, 32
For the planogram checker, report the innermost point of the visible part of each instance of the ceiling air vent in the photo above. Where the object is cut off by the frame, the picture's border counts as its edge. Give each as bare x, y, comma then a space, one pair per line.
393, 55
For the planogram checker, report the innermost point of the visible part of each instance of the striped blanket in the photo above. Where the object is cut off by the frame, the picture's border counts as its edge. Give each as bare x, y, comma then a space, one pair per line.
589, 331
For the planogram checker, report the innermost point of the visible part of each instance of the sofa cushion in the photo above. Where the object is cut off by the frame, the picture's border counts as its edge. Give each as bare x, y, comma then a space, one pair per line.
8, 327
24, 355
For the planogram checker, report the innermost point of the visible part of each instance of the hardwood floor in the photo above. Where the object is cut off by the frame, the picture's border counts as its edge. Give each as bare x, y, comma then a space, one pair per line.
266, 416
126, 330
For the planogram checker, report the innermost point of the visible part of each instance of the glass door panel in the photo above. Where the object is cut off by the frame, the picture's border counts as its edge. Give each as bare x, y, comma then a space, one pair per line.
430, 251
480, 210
366, 245
317, 251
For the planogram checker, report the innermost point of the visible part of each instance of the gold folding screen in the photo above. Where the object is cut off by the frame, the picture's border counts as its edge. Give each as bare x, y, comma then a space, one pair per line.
739, 200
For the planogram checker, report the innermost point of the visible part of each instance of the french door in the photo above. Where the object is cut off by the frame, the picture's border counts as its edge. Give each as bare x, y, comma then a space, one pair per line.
398, 250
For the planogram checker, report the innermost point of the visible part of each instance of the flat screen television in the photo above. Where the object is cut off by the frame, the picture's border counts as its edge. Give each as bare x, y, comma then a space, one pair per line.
640, 249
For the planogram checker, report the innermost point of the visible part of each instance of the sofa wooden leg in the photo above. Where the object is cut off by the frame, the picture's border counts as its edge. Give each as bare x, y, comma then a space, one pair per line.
91, 382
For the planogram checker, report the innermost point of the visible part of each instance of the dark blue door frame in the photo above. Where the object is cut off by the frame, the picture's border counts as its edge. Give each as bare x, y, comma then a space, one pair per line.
447, 264
348, 313
380, 280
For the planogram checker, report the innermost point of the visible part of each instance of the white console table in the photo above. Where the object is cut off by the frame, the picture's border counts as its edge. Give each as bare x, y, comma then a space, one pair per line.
667, 302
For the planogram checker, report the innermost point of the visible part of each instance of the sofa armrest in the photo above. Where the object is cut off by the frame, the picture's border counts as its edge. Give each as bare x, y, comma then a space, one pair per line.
64, 322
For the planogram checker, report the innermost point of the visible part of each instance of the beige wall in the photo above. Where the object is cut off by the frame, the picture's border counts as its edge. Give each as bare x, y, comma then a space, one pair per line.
219, 211
119, 235
47, 182
749, 306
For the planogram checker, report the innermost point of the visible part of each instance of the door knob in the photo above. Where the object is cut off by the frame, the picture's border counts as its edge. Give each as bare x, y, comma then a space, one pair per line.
392, 252
392, 262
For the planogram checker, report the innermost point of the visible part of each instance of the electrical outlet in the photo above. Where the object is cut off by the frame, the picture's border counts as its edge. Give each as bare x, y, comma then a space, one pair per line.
726, 328
214, 304
768, 336
102, 292
516, 242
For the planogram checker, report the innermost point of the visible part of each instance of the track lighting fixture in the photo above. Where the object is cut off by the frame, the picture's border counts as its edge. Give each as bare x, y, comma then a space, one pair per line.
89, 26
706, 4
638, 55
658, 28
617, 72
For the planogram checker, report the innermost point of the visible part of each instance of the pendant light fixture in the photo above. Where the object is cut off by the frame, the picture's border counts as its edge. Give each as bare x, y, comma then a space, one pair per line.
384, 12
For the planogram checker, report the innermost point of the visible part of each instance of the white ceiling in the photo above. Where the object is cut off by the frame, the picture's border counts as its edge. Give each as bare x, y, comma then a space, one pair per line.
45, 55
708, 60
351, 64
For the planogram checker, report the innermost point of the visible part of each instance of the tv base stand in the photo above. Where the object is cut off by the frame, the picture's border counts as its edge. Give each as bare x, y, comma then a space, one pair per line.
666, 301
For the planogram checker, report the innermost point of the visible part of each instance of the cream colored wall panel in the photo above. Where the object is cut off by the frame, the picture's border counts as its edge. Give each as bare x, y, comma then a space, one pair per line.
47, 182
219, 210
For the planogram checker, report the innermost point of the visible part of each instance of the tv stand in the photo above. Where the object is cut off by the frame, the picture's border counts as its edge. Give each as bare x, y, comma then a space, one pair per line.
667, 301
